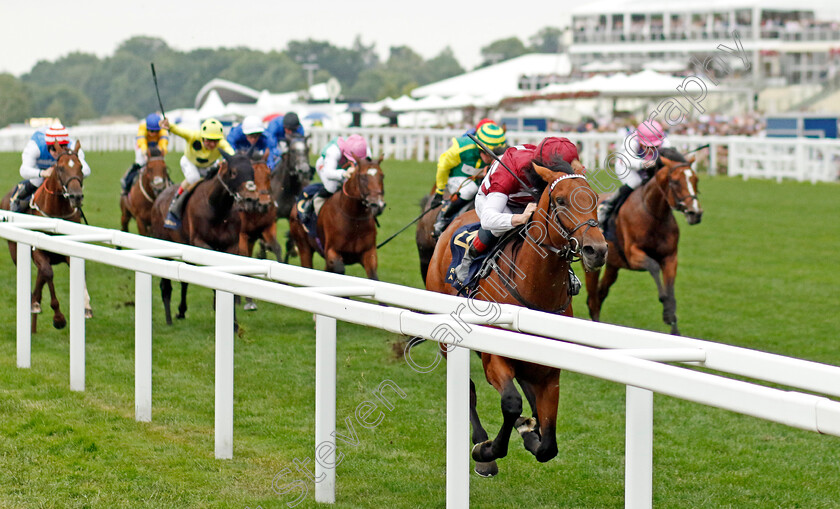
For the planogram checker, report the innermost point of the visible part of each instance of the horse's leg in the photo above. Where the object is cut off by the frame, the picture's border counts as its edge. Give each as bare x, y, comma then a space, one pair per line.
500, 374
607, 280
126, 217
334, 261
182, 307
88, 309
542, 443
142, 229
369, 262
269, 236
669, 303
166, 296
479, 435
593, 301
59, 321
640, 259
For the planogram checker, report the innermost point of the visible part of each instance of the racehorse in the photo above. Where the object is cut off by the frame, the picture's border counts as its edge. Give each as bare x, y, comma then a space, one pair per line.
426, 226
150, 182
292, 174
59, 196
346, 225
211, 216
647, 234
532, 272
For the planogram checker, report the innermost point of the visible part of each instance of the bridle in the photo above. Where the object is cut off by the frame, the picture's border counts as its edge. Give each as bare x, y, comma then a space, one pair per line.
64, 193
249, 186
362, 185
679, 201
140, 179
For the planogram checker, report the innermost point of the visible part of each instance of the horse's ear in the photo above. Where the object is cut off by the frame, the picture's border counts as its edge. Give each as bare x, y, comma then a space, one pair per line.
265, 156
544, 173
578, 167
225, 155
250, 152
77, 147
666, 161
381, 158
690, 159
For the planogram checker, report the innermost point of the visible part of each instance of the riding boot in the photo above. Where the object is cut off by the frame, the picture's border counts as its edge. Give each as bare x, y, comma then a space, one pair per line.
447, 213
20, 198
606, 208
176, 209
128, 178
319, 200
477, 247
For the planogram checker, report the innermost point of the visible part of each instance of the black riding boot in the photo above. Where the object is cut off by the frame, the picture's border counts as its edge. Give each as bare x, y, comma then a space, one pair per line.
20, 198
447, 213
606, 208
483, 241
176, 210
128, 178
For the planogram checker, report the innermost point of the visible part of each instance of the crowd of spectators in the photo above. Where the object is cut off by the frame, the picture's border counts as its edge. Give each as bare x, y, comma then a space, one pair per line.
749, 124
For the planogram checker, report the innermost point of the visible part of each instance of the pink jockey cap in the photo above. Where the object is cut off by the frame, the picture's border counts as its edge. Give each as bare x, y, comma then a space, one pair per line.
650, 133
353, 148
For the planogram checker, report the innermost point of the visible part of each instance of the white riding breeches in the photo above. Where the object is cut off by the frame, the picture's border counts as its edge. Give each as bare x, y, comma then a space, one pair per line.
462, 185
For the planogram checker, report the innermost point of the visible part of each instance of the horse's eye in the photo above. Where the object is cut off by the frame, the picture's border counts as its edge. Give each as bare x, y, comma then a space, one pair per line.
561, 202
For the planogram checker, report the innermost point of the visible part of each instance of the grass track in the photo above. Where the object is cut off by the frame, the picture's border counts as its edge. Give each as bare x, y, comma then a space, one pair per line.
760, 272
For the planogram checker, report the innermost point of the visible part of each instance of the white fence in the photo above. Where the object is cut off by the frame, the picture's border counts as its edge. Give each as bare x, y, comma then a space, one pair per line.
802, 159
627, 356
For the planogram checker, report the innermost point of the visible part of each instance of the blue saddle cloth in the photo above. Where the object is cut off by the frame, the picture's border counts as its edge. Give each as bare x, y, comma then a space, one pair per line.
458, 245
309, 221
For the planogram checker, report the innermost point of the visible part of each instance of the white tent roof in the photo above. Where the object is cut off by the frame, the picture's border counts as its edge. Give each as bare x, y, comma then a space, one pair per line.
648, 83
213, 106
598, 66
501, 79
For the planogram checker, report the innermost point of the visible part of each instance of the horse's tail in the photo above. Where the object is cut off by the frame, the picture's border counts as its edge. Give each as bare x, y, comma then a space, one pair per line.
424, 201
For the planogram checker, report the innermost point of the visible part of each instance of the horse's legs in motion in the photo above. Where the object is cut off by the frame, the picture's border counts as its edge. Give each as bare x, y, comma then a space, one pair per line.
334, 262
500, 373
269, 236
479, 435
88, 309
669, 304
606, 281
666, 294
541, 441
369, 262
166, 295
182, 307
593, 302
126, 217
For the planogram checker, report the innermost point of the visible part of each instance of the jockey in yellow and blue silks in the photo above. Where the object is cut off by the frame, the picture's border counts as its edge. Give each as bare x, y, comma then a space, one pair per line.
37, 161
251, 133
457, 167
149, 135
202, 152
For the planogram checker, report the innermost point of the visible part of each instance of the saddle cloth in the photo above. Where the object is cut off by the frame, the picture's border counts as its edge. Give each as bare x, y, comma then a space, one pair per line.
458, 245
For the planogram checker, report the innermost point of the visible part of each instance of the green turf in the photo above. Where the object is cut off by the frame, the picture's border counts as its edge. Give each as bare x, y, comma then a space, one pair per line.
759, 271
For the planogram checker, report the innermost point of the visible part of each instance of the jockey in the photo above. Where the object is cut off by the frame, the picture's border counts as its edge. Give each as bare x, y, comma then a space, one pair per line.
455, 168
640, 152
250, 133
503, 203
473, 130
149, 134
203, 150
37, 162
337, 154
285, 128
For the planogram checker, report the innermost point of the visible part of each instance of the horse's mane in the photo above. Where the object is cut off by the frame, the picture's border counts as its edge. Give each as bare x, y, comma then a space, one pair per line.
537, 182
672, 154
155, 152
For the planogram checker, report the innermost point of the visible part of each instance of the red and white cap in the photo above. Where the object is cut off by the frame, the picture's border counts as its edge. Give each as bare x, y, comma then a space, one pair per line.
57, 132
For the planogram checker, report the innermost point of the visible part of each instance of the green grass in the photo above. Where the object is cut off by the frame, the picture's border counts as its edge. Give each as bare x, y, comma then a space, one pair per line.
759, 271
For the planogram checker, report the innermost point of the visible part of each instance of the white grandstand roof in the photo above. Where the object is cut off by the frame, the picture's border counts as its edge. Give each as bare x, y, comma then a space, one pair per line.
638, 7
498, 80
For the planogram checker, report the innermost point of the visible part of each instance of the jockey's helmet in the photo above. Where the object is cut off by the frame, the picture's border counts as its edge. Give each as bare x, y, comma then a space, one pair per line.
57, 133
291, 121
153, 122
491, 135
252, 125
211, 129
650, 133
553, 151
353, 148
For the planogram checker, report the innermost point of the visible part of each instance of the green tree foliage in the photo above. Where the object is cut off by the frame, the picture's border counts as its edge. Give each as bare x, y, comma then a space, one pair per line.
14, 100
501, 50
547, 40
63, 101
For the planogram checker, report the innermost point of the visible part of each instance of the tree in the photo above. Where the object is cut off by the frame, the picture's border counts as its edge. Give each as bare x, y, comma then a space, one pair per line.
547, 40
443, 66
64, 102
14, 100
501, 50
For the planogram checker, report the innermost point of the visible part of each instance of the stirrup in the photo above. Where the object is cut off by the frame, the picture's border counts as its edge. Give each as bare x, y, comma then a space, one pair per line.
171, 222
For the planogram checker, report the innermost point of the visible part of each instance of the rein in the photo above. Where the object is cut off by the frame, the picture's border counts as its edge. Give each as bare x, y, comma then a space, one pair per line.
250, 186
677, 199
361, 197
63, 193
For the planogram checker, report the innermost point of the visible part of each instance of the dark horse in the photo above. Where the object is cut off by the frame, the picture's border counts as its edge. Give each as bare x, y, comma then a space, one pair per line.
536, 275
292, 174
346, 223
150, 182
59, 196
211, 217
647, 233
426, 225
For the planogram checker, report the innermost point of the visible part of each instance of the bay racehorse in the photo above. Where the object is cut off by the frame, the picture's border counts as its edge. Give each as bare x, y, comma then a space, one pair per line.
152, 179
211, 216
59, 196
292, 174
532, 271
647, 233
346, 225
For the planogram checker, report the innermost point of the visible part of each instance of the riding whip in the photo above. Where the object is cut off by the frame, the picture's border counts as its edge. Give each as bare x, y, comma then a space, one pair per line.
489, 152
157, 91
404, 227
701, 147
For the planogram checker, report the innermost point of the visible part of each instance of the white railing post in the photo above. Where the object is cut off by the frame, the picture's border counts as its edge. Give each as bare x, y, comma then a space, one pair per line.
224, 375
458, 428
24, 305
142, 347
325, 390
638, 461
77, 324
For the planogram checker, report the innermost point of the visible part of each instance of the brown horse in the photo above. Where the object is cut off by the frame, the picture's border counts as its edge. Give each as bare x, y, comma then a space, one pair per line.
346, 222
426, 226
150, 182
292, 174
647, 234
59, 196
211, 216
533, 272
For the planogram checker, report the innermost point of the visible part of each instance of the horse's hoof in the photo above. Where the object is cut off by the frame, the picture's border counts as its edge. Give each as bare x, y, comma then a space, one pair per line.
476, 453
250, 306
59, 323
525, 424
36, 308
180, 316
488, 469
88, 313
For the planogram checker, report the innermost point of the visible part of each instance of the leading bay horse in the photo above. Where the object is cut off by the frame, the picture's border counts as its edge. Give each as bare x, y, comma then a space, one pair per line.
59, 196
647, 233
346, 228
211, 216
152, 179
535, 274
292, 174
